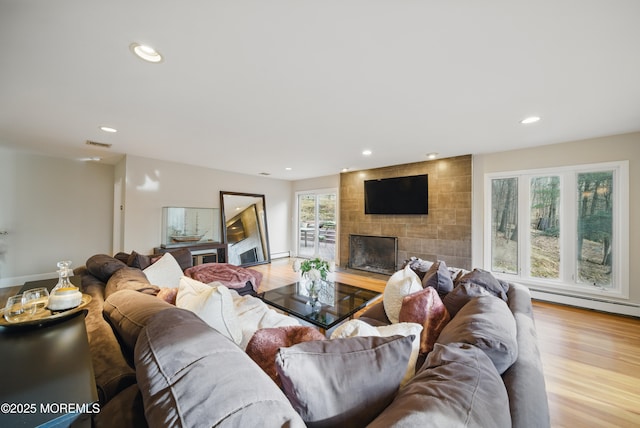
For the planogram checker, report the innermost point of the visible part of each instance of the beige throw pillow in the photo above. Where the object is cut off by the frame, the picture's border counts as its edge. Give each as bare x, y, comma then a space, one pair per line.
213, 304
401, 283
165, 272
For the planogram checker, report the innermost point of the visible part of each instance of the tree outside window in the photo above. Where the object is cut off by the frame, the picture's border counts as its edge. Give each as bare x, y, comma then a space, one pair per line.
595, 226
544, 227
560, 228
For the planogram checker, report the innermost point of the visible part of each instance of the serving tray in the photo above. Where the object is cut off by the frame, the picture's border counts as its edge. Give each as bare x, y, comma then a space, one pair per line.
44, 316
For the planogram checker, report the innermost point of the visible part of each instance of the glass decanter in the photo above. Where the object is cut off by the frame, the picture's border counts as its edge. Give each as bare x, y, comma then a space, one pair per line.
64, 272
64, 295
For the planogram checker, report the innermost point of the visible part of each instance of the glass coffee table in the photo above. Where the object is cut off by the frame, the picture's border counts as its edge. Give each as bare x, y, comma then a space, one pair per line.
338, 301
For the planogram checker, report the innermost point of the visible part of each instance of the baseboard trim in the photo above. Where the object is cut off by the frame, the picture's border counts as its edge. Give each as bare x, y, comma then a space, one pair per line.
20, 280
283, 255
618, 308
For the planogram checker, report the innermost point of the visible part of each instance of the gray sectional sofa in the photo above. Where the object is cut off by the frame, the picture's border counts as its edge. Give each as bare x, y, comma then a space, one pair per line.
159, 365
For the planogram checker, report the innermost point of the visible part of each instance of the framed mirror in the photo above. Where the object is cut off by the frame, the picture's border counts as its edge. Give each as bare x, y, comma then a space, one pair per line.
244, 228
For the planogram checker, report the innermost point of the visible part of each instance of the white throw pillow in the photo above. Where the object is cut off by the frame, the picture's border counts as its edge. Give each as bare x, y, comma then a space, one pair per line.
355, 328
401, 283
212, 303
254, 314
165, 272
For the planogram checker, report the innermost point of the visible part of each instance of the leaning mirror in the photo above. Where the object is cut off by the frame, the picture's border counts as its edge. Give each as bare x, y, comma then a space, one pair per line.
244, 220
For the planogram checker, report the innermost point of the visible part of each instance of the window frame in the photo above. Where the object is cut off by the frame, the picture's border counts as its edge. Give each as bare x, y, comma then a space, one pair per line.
567, 281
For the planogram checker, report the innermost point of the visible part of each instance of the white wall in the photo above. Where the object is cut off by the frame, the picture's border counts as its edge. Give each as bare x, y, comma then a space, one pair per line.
153, 184
52, 209
56, 209
327, 182
612, 148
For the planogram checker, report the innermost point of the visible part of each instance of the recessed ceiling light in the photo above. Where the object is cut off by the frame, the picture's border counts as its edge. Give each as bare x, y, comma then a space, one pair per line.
288, 168
345, 169
108, 129
432, 155
145, 52
367, 152
530, 119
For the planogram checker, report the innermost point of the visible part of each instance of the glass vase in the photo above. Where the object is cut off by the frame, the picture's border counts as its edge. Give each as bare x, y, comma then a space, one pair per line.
313, 289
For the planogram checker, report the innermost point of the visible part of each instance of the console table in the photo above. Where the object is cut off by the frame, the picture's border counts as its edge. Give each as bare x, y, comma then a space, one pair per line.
207, 252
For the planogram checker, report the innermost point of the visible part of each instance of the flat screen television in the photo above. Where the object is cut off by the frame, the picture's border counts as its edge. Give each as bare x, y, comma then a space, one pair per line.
398, 195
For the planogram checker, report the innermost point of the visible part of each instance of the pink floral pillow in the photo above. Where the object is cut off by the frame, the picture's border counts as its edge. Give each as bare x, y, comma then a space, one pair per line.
425, 308
168, 294
264, 345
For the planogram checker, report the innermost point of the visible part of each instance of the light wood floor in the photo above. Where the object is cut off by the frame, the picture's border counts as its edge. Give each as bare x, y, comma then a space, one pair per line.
591, 360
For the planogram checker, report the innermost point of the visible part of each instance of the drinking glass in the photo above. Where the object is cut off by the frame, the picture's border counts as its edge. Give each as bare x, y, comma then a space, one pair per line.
35, 300
14, 309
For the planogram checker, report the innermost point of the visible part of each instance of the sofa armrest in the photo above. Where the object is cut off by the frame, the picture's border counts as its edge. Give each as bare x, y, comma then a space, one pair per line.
525, 378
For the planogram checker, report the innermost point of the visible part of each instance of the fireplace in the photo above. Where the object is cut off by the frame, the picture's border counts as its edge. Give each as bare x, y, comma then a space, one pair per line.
373, 253
249, 256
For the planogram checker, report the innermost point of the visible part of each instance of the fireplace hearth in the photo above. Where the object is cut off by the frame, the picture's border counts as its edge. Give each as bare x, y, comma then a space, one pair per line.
373, 253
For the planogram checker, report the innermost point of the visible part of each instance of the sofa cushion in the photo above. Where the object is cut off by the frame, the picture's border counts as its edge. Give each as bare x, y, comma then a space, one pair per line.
461, 295
184, 258
343, 382
524, 380
129, 311
124, 411
487, 281
485, 322
401, 283
103, 266
264, 345
165, 272
438, 277
213, 304
192, 376
122, 256
375, 315
129, 278
359, 328
138, 260
419, 266
426, 309
456, 387
112, 370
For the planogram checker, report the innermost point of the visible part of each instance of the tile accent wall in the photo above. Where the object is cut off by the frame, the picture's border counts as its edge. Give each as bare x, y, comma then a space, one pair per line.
443, 234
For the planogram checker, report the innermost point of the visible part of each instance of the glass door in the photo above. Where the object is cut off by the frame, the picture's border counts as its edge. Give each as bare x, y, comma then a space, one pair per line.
317, 224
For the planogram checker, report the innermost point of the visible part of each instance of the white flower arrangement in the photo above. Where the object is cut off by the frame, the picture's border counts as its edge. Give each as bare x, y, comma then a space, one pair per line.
314, 269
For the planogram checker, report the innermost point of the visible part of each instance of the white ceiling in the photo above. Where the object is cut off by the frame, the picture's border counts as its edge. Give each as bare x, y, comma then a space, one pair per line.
258, 86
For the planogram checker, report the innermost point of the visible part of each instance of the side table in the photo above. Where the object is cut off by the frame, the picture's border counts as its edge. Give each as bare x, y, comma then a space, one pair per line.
47, 375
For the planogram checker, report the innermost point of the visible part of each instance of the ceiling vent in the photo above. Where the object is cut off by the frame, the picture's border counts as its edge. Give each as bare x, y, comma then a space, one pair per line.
96, 144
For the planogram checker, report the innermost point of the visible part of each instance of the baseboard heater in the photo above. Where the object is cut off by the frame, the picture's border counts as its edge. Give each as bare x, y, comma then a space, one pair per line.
620, 308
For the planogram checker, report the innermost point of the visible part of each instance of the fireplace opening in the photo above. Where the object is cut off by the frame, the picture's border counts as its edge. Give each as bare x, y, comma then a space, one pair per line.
373, 253
249, 256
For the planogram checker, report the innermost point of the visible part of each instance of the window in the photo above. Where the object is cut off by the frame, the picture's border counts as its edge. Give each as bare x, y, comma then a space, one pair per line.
317, 223
562, 228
